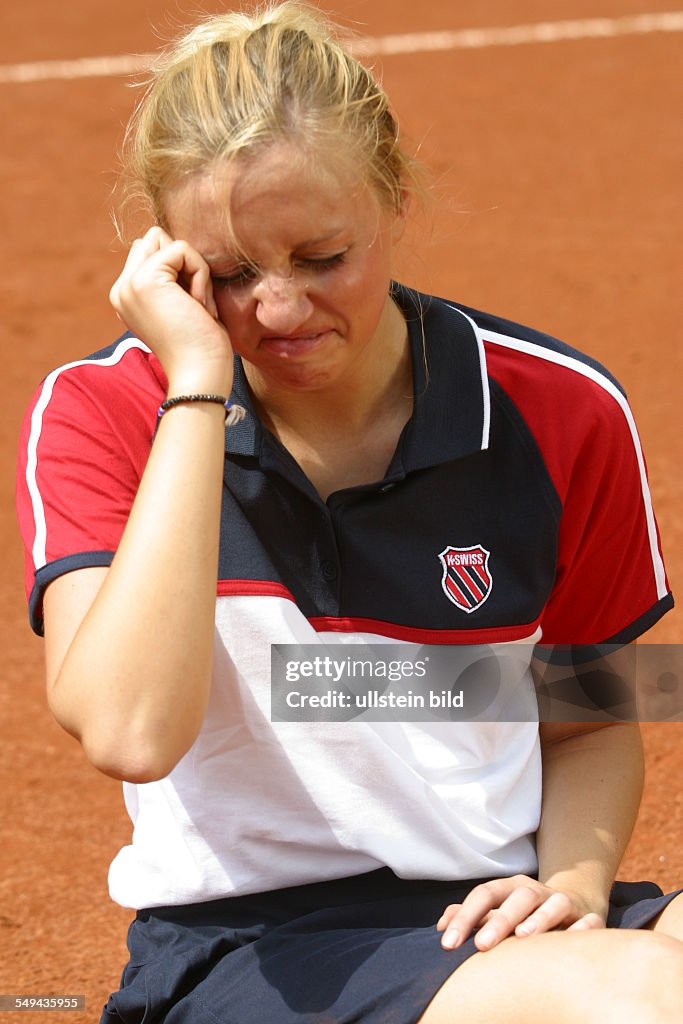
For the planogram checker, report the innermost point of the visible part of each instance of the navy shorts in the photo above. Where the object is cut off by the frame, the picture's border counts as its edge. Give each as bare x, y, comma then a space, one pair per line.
362, 949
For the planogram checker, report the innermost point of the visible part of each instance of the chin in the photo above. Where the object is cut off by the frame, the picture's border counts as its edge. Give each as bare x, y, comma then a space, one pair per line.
301, 377
305, 382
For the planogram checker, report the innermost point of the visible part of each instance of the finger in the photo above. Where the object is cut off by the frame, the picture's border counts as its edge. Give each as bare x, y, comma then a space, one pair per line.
135, 258
210, 302
512, 913
447, 916
155, 238
478, 903
179, 258
151, 263
588, 921
142, 248
195, 278
199, 281
140, 251
554, 912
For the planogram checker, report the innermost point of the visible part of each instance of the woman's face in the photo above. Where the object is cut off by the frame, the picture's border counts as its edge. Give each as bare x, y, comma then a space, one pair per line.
300, 256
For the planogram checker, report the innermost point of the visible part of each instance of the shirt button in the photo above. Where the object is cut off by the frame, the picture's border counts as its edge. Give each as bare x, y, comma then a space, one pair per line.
387, 487
329, 570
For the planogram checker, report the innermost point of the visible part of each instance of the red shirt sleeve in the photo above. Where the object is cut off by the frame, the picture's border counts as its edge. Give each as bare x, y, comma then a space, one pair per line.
84, 443
610, 583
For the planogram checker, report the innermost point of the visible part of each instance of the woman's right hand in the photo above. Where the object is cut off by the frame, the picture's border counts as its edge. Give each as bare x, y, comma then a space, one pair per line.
164, 296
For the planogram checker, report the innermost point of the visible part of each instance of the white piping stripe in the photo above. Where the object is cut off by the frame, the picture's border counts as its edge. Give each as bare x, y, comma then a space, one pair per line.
588, 371
485, 388
386, 46
40, 542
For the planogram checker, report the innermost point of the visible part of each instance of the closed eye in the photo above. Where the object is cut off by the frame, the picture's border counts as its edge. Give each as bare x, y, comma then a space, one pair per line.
242, 275
323, 262
239, 276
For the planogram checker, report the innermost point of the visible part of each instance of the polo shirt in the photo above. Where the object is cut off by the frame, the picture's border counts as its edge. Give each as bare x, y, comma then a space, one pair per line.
515, 508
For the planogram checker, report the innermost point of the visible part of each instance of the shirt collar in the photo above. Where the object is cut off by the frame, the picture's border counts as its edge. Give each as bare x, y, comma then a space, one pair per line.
452, 401
452, 405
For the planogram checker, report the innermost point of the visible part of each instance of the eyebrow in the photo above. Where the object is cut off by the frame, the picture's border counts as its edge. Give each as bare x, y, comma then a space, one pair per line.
217, 257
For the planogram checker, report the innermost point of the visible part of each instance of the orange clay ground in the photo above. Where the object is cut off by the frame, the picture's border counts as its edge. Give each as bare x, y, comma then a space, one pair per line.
556, 202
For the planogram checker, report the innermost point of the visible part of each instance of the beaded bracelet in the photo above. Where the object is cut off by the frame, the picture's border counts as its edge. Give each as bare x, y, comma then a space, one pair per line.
233, 413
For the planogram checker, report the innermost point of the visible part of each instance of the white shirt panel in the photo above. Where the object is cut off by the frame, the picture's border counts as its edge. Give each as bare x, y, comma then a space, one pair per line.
257, 805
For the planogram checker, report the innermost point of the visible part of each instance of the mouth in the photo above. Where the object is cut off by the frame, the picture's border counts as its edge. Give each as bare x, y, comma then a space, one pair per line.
290, 346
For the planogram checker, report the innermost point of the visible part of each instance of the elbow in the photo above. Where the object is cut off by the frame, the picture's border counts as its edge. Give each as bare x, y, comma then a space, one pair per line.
136, 763
126, 746
128, 756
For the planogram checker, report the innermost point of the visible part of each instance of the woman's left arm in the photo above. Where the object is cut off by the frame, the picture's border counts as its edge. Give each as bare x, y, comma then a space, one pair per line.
592, 784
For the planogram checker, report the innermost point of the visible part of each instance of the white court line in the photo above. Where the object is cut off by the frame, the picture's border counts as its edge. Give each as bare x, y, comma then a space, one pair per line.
83, 67
417, 42
516, 35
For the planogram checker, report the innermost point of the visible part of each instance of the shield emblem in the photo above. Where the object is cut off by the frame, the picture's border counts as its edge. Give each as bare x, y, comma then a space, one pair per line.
466, 580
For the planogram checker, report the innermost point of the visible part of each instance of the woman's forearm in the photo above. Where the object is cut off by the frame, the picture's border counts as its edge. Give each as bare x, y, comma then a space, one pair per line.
592, 785
134, 683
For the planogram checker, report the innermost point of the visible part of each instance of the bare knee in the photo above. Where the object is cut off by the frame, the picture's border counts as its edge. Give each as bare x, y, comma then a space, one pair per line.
670, 921
654, 976
601, 977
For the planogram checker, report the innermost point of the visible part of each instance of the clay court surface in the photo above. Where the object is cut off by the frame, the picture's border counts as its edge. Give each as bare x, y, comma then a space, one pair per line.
556, 169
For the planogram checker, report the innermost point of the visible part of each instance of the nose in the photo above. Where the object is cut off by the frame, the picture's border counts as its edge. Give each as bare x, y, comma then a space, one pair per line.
282, 305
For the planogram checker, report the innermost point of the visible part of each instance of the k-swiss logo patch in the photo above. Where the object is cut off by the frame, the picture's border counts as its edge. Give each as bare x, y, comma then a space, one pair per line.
466, 579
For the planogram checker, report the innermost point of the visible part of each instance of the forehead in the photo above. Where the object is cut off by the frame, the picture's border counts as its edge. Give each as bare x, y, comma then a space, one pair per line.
279, 196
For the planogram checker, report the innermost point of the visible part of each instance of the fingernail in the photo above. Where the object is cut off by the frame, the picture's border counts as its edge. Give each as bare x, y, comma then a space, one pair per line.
451, 938
486, 937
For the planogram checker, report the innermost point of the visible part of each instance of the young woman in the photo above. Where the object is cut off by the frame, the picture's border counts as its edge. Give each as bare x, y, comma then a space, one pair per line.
393, 468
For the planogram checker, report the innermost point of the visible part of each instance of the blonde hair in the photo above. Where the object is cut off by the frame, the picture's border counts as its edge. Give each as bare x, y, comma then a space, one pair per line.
238, 81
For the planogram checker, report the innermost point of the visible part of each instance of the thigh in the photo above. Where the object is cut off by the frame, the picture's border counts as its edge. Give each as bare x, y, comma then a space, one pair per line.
600, 976
670, 920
